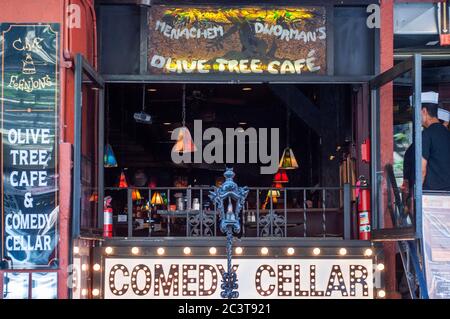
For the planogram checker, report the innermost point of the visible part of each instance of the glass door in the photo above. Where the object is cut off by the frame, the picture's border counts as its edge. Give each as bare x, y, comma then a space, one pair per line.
87, 207
395, 129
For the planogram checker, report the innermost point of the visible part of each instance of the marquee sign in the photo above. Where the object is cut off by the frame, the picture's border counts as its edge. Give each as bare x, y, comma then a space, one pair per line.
257, 278
233, 40
29, 147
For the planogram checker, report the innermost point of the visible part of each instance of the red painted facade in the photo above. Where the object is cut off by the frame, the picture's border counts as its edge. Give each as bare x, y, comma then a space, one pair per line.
83, 40
74, 40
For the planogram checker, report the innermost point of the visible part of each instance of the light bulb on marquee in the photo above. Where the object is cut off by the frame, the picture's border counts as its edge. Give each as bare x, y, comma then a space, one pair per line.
381, 293
290, 251
264, 251
96, 267
187, 250
95, 292
380, 267
342, 251
135, 250
108, 250
368, 252
160, 251
239, 250
316, 251
212, 251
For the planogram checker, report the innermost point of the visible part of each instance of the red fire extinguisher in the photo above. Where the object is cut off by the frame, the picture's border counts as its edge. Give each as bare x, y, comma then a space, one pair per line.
364, 210
107, 217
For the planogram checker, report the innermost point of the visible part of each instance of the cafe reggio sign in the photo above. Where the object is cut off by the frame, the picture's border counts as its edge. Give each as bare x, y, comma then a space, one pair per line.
233, 40
29, 148
257, 278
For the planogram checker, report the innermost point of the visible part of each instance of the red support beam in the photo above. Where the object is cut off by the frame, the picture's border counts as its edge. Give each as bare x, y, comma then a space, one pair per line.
65, 179
387, 131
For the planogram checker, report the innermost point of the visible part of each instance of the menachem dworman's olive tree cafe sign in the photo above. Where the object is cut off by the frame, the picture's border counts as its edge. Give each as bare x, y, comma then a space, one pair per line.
29, 148
237, 40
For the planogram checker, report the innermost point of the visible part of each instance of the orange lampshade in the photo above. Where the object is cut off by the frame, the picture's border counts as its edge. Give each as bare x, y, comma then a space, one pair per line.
123, 181
157, 199
184, 142
136, 195
288, 160
281, 177
94, 197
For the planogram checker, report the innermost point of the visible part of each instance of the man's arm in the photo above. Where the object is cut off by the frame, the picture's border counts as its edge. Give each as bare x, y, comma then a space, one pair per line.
424, 169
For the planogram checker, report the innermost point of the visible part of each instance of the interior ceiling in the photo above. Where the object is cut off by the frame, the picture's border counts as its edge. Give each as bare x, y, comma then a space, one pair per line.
218, 104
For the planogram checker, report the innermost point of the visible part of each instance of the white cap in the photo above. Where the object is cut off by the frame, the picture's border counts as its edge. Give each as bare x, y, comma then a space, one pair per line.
443, 115
427, 97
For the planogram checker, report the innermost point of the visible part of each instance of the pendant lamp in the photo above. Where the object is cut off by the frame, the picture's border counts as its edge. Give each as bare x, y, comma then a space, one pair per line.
274, 192
136, 195
288, 160
109, 159
94, 197
281, 177
184, 143
123, 181
157, 199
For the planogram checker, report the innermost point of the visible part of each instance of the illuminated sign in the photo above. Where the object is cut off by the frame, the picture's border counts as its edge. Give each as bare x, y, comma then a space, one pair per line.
29, 145
257, 278
230, 40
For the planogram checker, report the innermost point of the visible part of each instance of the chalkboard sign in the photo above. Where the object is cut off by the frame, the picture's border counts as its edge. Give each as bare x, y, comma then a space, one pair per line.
233, 40
29, 144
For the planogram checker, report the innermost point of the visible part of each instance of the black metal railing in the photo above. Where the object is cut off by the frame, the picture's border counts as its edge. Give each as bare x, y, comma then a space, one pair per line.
268, 212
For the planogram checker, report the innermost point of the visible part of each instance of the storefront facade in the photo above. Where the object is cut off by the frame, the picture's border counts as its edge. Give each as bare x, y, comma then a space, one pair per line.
86, 48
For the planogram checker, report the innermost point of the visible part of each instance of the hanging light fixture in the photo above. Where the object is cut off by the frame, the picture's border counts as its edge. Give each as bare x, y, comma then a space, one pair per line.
157, 199
274, 193
288, 160
136, 195
184, 143
281, 177
94, 197
123, 181
109, 159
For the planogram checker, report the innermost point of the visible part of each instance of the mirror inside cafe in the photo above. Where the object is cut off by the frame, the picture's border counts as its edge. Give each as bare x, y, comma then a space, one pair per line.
167, 146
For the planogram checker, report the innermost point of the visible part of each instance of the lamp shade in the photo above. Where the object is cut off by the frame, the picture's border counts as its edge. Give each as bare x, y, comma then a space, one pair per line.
157, 199
94, 197
274, 193
281, 177
123, 181
136, 195
278, 185
288, 160
184, 142
109, 159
